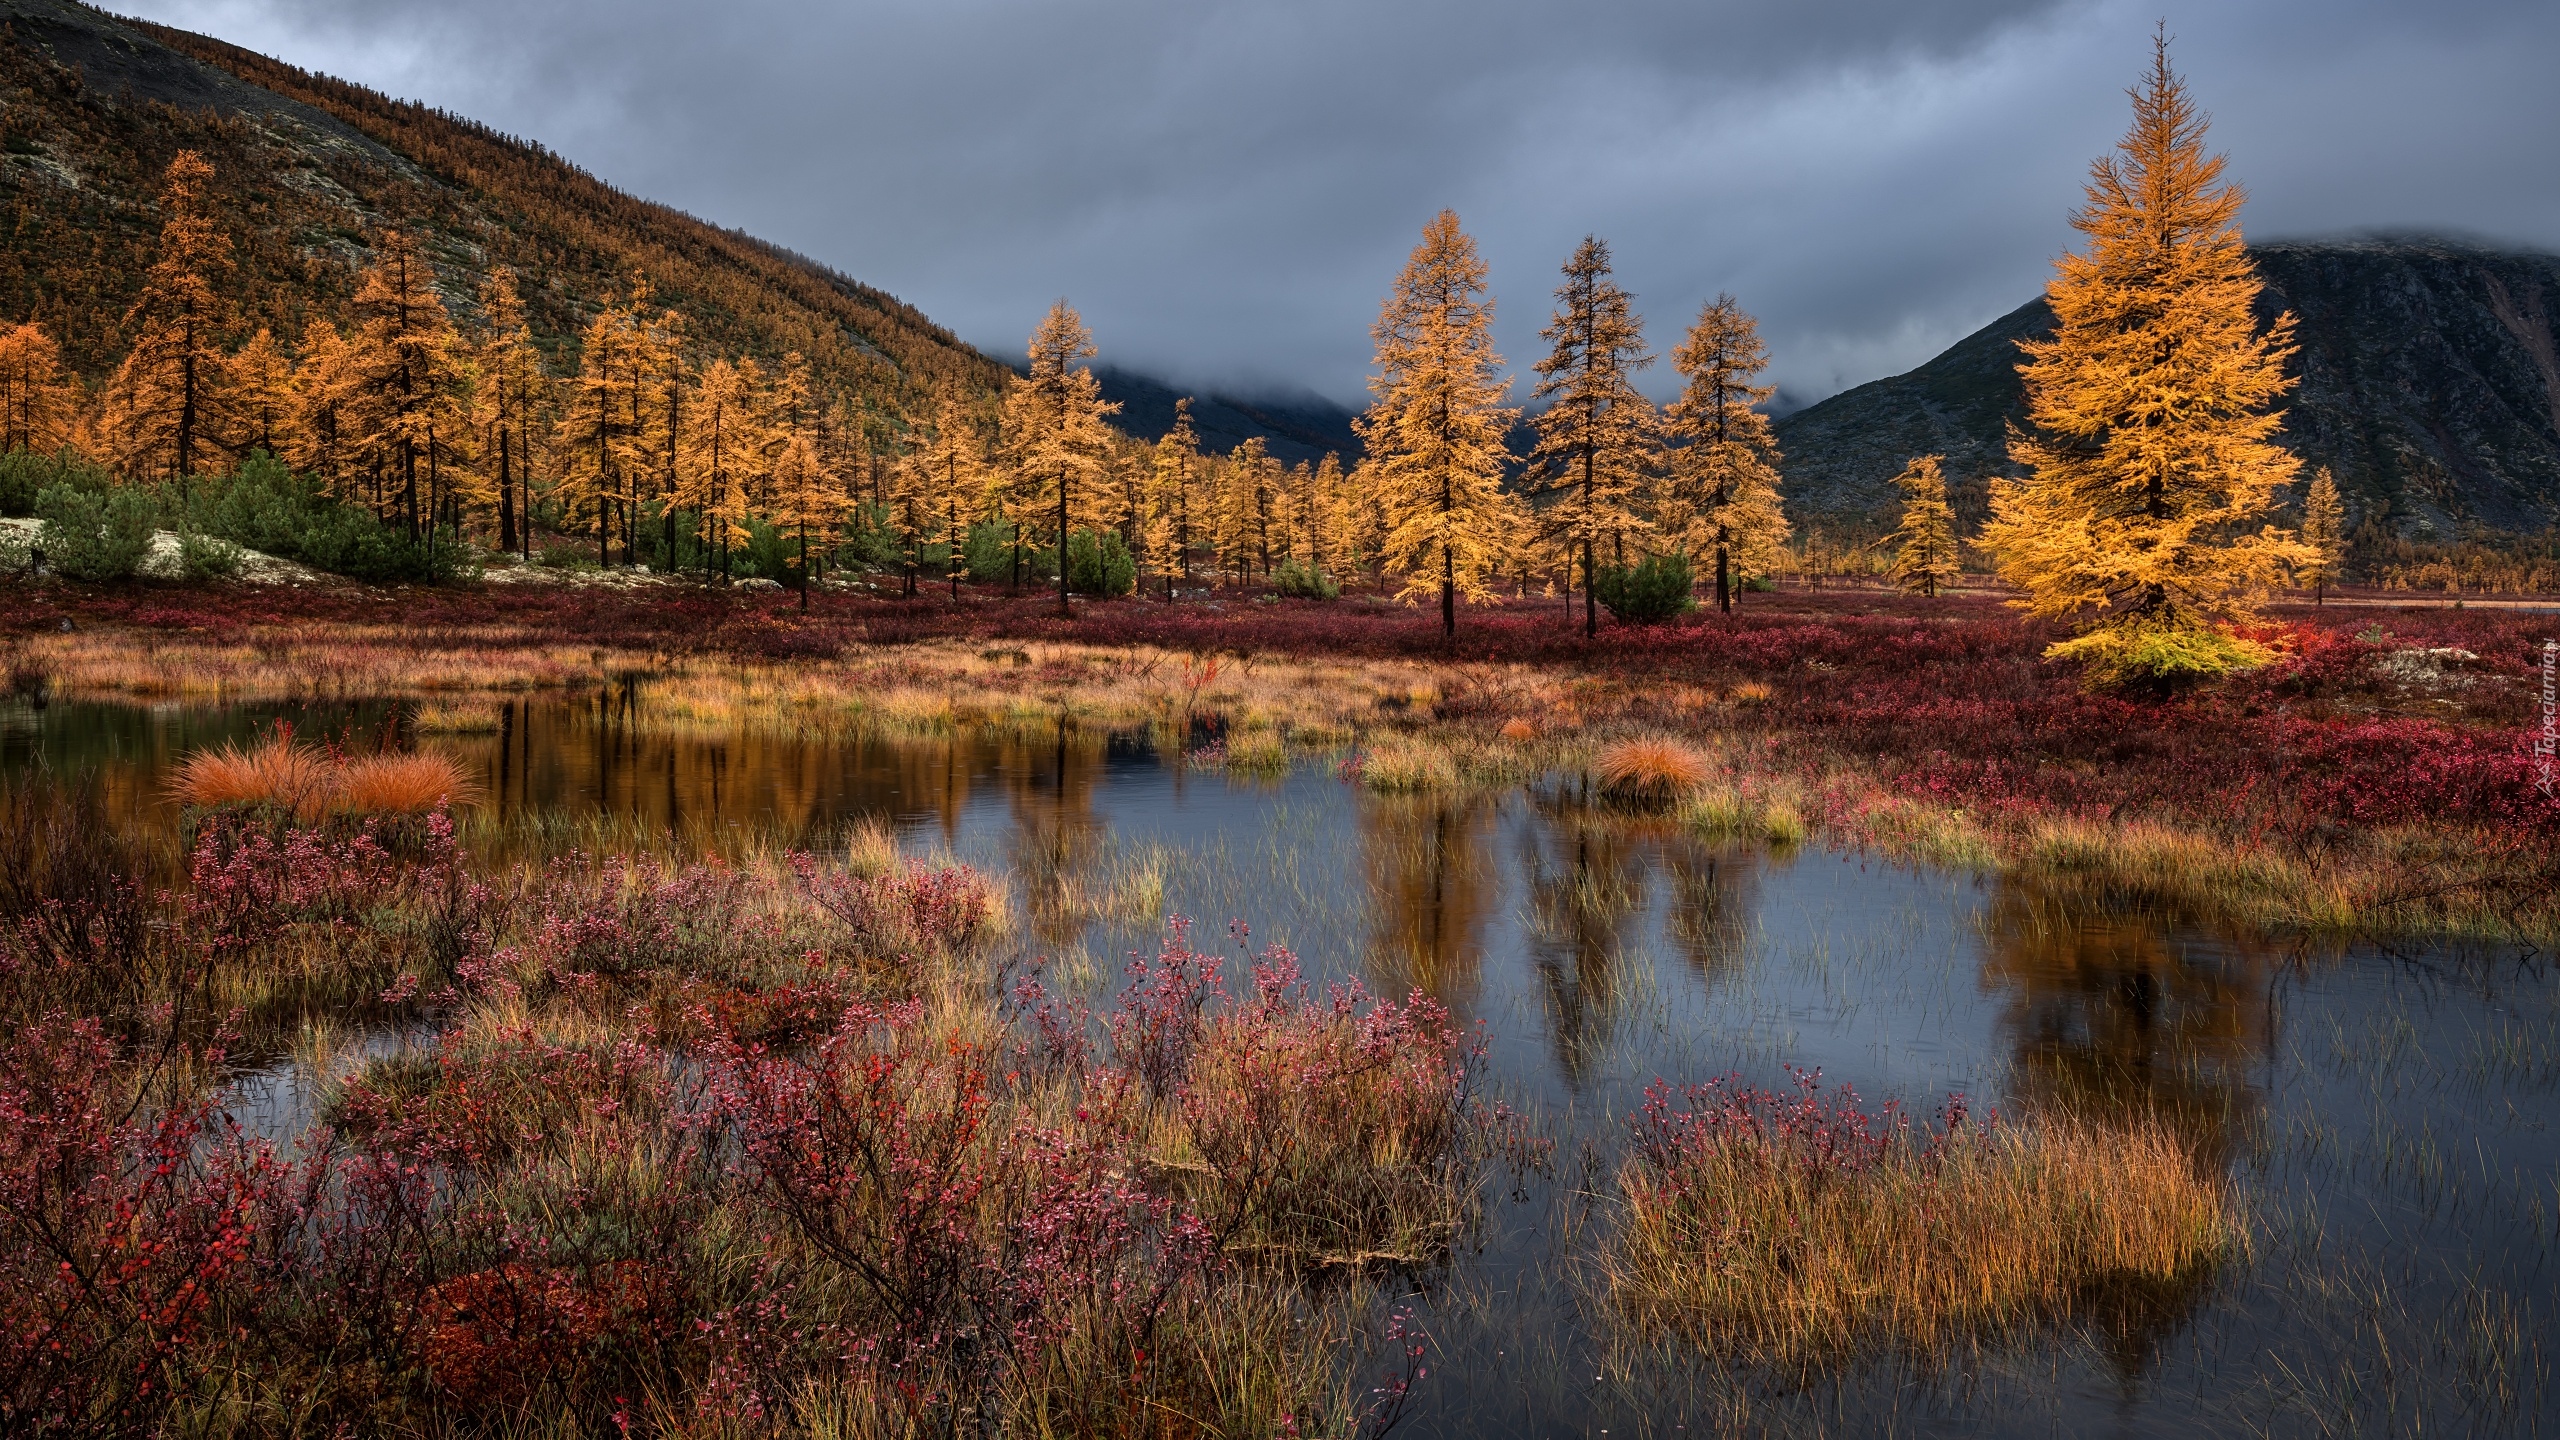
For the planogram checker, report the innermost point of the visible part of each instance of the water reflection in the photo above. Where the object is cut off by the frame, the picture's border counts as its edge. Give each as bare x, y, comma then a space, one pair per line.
1433, 889
2116, 1018
1585, 875
1598, 949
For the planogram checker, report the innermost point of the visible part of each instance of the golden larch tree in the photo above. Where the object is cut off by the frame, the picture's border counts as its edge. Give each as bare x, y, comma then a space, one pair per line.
36, 402
1434, 429
408, 385
321, 438
259, 377
1924, 546
1176, 470
511, 386
1594, 460
1056, 433
803, 499
2152, 460
2324, 531
1723, 492
166, 398
594, 427
723, 452
953, 479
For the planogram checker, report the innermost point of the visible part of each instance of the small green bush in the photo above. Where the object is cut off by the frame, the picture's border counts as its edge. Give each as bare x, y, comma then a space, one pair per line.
989, 555
1100, 565
570, 556
92, 536
2159, 656
268, 508
206, 557
26, 473
17, 554
1653, 590
1303, 582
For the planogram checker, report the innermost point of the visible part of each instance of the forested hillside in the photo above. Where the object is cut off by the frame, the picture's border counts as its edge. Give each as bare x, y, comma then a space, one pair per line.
308, 170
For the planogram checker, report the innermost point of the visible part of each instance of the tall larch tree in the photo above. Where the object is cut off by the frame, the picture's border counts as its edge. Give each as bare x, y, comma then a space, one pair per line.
322, 436
953, 480
1245, 482
166, 397
1724, 473
511, 383
259, 377
1056, 433
802, 497
1597, 438
410, 383
723, 452
1924, 545
36, 402
593, 428
2152, 460
1177, 466
1434, 429
2324, 532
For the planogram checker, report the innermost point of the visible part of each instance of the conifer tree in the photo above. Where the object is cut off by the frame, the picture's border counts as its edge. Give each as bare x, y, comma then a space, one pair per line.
1924, 560
1724, 476
594, 426
409, 384
259, 378
952, 479
2324, 533
510, 383
2152, 459
36, 402
1055, 432
1434, 432
803, 499
1338, 517
321, 436
723, 450
167, 395
1246, 480
1176, 468
1595, 451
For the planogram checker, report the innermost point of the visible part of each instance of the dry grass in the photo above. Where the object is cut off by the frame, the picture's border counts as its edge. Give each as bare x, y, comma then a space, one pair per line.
281, 772
1756, 1245
1650, 769
403, 784
307, 782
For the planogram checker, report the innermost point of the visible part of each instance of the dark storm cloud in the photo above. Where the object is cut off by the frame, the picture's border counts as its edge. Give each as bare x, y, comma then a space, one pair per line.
1226, 189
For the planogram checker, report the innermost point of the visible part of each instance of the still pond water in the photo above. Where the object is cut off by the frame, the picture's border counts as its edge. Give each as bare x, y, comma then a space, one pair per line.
2387, 1113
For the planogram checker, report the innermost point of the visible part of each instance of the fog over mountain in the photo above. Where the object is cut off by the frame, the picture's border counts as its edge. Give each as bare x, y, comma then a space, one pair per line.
1226, 190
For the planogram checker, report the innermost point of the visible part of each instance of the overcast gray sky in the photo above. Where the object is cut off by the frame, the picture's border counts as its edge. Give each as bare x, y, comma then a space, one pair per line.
1225, 189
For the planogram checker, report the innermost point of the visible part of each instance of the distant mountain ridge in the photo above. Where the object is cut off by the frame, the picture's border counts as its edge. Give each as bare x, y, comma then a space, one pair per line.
2430, 387
1304, 427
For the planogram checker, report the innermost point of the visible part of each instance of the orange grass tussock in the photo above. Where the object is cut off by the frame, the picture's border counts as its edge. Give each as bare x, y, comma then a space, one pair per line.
284, 773
1779, 1233
1650, 768
403, 784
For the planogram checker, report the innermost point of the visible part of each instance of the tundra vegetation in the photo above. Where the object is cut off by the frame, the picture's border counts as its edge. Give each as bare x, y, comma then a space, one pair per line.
758, 1140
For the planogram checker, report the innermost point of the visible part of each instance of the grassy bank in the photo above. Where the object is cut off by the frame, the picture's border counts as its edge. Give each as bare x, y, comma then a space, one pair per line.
2377, 778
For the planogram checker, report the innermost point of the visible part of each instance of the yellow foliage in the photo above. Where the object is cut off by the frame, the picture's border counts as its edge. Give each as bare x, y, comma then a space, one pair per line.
2152, 457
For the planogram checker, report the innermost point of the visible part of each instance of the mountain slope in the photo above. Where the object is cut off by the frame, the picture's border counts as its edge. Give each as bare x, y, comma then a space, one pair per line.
309, 169
2429, 386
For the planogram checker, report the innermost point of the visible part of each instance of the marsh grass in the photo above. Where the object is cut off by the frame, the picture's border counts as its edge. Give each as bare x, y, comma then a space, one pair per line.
1650, 770
289, 777
1799, 1230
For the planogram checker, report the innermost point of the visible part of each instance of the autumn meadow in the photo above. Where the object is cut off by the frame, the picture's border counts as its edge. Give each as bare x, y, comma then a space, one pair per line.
568, 868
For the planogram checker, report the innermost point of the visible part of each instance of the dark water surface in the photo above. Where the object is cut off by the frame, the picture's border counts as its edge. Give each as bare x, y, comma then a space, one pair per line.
2386, 1113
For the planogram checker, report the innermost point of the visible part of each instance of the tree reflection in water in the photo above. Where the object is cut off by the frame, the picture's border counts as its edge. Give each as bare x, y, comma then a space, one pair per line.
2117, 1019
1432, 889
